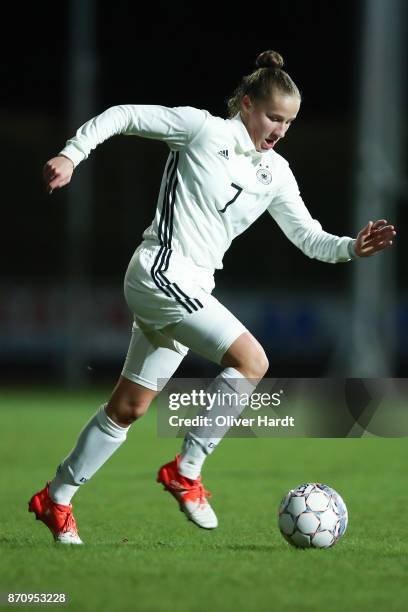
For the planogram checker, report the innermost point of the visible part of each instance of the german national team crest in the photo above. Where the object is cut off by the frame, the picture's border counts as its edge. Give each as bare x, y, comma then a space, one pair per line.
264, 175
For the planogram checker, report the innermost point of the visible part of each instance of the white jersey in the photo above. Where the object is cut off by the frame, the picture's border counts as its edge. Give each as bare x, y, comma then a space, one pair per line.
214, 186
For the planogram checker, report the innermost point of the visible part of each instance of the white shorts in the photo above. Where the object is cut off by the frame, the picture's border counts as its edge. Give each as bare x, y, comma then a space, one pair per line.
174, 311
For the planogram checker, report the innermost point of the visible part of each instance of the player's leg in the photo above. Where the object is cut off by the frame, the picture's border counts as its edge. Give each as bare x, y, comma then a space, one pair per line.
244, 365
247, 356
129, 401
216, 334
150, 357
101, 437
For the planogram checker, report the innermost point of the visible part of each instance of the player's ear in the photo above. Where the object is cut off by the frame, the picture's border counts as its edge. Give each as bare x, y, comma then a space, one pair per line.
246, 103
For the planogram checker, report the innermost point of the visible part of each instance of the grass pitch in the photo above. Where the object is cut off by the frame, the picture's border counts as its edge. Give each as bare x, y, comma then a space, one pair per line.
142, 554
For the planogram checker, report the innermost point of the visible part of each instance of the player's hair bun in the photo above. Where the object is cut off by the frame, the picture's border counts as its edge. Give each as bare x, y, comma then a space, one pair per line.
267, 78
269, 59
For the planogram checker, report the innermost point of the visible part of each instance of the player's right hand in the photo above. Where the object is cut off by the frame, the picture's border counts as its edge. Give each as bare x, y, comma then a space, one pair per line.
57, 172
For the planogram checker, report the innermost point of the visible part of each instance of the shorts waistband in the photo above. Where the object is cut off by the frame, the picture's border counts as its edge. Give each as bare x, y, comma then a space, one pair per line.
181, 264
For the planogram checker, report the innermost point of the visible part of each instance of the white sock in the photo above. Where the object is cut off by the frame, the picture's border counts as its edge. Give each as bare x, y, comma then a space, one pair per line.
201, 441
98, 440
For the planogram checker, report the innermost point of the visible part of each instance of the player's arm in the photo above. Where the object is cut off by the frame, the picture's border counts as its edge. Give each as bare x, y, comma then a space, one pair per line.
175, 126
292, 216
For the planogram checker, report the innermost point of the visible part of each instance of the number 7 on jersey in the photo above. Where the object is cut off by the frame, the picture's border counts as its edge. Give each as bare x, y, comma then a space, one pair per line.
239, 189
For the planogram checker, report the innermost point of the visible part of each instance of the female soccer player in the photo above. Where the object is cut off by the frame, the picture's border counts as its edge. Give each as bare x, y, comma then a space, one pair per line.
220, 176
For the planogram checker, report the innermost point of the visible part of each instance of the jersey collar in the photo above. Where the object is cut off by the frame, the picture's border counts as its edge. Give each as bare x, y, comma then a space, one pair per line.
244, 142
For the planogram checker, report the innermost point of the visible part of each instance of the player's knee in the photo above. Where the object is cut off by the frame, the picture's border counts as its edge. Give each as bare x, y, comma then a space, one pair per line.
254, 364
126, 410
247, 356
258, 364
134, 409
129, 401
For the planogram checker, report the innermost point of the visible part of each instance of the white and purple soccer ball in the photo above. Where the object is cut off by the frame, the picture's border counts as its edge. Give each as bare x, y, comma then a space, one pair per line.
312, 516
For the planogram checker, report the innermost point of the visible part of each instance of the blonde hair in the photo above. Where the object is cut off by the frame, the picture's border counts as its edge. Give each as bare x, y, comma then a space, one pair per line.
263, 82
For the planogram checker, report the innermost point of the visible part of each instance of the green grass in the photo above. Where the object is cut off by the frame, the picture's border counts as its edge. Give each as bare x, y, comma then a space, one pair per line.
142, 554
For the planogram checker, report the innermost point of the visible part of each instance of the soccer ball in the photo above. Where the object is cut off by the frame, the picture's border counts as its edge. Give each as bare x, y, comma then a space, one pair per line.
312, 516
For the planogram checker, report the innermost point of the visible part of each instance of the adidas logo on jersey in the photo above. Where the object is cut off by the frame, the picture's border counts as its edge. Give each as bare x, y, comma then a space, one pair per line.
224, 153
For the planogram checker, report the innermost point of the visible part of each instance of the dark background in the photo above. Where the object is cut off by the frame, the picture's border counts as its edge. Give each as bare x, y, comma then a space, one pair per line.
178, 54
174, 54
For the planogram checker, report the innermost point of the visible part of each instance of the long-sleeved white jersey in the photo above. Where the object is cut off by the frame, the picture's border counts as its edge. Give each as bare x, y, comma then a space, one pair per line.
215, 183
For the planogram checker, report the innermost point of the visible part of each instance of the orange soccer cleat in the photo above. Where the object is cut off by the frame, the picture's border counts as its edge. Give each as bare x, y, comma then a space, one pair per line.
190, 494
58, 518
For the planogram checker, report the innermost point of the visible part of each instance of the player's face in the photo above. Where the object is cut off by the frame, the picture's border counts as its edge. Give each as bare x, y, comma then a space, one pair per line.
267, 121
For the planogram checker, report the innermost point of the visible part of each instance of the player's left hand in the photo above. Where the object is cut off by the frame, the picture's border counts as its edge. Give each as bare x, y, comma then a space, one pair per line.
374, 237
